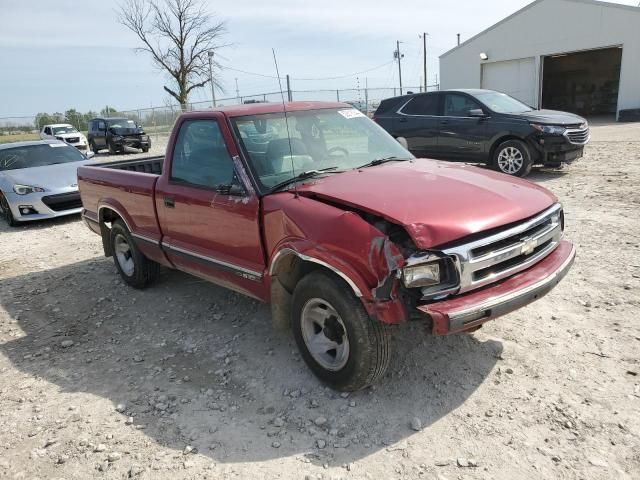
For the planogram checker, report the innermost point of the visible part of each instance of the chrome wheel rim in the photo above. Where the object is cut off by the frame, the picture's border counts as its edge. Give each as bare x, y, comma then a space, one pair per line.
325, 334
124, 255
510, 160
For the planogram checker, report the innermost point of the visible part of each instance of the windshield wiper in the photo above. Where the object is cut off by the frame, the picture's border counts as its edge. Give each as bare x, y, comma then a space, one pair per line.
303, 176
380, 161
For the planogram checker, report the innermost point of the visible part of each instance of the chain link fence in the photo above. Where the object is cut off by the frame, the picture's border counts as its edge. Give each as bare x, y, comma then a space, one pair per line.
159, 121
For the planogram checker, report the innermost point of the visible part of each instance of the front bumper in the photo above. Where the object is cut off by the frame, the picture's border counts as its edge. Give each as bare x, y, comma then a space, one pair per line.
43, 205
472, 309
133, 142
553, 150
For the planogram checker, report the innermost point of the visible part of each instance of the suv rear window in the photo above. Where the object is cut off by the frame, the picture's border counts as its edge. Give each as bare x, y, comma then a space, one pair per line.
422, 105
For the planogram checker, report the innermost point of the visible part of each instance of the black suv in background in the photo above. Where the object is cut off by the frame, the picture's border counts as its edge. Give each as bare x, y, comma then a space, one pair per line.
483, 126
116, 134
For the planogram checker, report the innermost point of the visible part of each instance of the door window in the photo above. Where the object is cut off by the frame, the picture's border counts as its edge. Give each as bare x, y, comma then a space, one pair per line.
101, 125
47, 131
200, 156
422, 105
458, 105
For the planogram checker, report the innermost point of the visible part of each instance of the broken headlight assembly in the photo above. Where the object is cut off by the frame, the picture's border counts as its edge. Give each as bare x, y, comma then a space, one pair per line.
434, 273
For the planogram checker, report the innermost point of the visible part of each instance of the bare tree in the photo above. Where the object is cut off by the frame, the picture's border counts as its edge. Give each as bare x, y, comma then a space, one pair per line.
178, 34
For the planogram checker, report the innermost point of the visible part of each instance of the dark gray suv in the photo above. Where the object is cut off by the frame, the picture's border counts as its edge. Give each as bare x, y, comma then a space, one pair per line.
116, 134
484, 126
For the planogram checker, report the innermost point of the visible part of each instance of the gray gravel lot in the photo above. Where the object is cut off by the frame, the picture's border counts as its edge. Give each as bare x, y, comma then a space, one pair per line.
187, 380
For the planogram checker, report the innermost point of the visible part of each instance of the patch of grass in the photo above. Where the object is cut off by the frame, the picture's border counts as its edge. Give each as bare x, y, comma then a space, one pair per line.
23, 137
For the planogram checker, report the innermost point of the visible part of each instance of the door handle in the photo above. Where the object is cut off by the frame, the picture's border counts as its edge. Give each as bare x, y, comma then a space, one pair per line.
169, 202
403, 120
444, 122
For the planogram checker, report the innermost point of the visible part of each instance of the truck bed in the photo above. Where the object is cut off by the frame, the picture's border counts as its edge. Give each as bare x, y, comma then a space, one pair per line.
151, 165
126, 187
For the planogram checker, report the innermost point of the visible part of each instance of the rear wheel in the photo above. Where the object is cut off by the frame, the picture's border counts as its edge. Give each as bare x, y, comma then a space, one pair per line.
134, 268
6, 212
513, 158
340, 343
94, 147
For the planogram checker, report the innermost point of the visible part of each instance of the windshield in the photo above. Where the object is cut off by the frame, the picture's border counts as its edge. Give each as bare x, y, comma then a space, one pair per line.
329, 139
122, 123
38, 156
502, 103
64, 129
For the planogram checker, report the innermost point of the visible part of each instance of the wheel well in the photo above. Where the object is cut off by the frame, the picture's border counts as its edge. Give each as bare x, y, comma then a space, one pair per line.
291, 268
107, 215
285, 274
506, 138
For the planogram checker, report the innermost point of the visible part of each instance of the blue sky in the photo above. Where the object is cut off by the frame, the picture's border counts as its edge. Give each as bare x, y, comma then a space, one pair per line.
55, 55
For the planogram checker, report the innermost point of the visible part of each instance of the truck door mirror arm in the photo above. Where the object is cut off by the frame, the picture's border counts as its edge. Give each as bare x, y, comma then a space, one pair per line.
233, 189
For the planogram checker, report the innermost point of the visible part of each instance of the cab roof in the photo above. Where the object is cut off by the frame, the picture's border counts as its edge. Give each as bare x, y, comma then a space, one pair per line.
269, 107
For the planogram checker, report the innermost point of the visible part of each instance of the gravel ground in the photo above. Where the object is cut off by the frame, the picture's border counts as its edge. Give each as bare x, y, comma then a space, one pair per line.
187, 380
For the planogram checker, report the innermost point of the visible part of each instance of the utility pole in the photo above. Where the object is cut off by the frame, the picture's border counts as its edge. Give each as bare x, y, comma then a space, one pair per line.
237, 90
458, 38
213, 90
399, 56
424, 59
289, 96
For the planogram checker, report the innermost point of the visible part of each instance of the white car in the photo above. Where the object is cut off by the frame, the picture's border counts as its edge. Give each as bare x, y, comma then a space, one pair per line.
65, 132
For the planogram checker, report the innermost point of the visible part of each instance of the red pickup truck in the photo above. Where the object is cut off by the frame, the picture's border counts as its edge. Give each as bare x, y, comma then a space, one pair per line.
316, 209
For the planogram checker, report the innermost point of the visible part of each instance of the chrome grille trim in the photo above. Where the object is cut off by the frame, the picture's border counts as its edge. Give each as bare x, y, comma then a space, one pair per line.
511, 244
578, 136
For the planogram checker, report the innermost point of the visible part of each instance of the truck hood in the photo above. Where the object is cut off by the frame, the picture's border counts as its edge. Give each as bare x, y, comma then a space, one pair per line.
436, 202
550, 117
49, 177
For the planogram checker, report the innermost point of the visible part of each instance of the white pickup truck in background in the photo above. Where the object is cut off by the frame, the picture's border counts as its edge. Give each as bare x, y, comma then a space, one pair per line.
65, 132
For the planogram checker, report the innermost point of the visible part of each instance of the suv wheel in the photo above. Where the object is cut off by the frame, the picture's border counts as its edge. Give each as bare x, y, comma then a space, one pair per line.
94, 147
134, 268
340, 343
513, 158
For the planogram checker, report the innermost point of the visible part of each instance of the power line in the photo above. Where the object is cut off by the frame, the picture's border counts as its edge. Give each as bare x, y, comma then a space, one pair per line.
310, 79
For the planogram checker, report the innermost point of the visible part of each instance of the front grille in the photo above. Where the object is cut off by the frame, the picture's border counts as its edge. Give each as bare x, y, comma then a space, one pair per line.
578, 136
73, 139
63, 201
505, 253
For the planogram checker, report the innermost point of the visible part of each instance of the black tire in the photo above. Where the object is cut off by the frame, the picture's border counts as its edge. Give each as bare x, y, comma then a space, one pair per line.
6, 212
113, 150
369, 348
145, 149
94, 147
144, 271
513, 158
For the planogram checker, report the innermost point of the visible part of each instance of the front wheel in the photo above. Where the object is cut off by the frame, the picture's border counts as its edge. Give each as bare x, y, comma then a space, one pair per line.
340, 343
134, 268
6, 212
513, 158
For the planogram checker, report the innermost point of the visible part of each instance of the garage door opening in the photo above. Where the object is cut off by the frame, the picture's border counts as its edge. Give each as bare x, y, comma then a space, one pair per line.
585, 83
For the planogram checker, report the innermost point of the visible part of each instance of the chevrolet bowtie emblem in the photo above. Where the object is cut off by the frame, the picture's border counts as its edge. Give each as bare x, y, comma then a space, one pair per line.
528, 246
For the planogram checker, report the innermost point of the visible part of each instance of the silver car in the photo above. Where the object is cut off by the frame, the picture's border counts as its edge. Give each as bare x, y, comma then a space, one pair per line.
39, 180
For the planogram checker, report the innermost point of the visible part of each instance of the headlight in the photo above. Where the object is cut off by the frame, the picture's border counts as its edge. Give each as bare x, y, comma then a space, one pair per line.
26, 189
423, 275
549, 129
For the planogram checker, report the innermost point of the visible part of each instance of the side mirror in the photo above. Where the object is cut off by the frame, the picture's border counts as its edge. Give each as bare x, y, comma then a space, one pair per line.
89, 154
477, 112
403, 141
234, 190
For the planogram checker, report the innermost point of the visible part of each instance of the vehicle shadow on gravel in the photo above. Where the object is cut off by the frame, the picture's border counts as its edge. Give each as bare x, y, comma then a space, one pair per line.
195, 364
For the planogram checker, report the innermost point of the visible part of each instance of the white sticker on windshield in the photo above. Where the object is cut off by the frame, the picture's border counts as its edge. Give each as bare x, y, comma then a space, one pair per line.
351, 113
57, 144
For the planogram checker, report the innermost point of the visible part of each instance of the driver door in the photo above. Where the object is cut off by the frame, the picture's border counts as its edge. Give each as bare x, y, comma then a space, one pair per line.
208, 214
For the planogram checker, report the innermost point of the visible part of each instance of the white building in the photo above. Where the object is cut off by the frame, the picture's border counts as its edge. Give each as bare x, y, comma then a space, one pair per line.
576, 55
